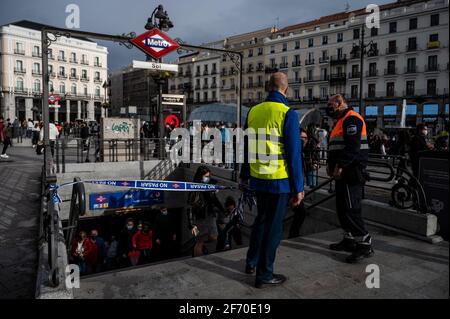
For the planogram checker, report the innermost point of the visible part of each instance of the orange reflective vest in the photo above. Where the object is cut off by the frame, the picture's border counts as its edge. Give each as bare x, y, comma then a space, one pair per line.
337, 142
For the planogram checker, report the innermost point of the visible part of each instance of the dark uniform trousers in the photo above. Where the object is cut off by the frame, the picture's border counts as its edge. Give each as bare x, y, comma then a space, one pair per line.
348, 206
267, 233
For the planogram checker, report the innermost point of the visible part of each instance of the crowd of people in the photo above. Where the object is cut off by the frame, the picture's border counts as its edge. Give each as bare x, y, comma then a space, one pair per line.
138, 243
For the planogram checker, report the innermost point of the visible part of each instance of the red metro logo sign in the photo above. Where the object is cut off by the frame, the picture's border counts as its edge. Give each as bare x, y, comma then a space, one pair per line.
155, 43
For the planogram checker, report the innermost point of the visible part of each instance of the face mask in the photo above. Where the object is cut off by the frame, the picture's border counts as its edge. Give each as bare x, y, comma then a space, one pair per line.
164, 212
425, 133
129, 227
331, 112
206, 179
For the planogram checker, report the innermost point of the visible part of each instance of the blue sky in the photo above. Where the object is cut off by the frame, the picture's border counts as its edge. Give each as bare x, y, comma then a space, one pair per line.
196, 21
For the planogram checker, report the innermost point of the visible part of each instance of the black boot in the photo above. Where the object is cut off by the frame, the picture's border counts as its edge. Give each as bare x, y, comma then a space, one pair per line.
347, 244
363, 250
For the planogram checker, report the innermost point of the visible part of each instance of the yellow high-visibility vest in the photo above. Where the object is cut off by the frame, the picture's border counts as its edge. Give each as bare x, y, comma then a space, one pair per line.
266, 145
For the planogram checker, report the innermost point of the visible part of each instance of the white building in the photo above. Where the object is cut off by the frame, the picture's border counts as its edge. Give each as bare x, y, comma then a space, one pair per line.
410, 61
77, 72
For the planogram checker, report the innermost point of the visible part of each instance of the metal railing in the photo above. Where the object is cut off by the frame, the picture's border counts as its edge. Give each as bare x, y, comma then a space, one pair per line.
93, 149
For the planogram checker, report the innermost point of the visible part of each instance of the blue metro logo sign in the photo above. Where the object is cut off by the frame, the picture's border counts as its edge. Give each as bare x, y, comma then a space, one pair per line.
155, 43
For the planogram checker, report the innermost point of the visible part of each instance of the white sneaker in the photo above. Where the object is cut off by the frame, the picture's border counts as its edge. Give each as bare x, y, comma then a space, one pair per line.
4, 156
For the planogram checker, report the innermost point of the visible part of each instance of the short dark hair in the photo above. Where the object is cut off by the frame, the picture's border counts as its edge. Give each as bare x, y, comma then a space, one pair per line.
229, 201
421, 126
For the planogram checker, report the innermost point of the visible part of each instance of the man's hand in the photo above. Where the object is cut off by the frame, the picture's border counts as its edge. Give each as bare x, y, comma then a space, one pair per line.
158, 242
337, 172
243, 184
297, 199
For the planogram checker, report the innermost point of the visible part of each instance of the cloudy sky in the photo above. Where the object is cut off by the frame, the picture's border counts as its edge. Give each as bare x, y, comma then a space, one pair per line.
196, 21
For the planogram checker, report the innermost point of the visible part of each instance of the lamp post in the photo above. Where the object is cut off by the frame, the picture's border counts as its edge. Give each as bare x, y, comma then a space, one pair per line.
362, 51
159, 19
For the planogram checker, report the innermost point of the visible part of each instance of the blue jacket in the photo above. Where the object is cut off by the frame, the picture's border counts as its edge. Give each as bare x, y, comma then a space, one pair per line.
293, 151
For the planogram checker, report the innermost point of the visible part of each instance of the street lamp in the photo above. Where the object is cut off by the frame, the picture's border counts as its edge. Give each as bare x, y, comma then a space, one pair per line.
362, 49
164, 24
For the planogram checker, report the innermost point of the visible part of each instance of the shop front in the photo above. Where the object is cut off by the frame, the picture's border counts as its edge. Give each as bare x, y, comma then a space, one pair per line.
411, 115
430, 116
389, 116
371, 117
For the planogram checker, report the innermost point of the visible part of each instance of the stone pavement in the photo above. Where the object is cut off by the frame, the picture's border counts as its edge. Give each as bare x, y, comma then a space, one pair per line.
19, 221
408, 269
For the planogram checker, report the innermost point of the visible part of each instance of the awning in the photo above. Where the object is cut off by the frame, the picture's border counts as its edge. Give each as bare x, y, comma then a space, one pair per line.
218, 113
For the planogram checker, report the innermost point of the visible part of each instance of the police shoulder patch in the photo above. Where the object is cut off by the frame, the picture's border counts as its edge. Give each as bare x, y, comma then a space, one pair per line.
352, 130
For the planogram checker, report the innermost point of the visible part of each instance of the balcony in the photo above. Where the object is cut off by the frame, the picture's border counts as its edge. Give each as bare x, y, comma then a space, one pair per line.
224, 73
324, 59
295, 81
213, 72
355, 55
36, 72
391, 50
284, 65
98, 80
98, 64
296, 64
73, 77
51, 57
205, 86
309, 61
62, 76
373, 53
20, 71
432, 68
52, 74
390, 71
214, 86
412, 47
372, 73
271, 68
19, 89
316, 79
354, 75
259, 85
260, 68
206, 72
434, 45
338, 77
62, 59
197, 73
36, 54
84, 79
19, 51
197, 86
411, 70
338, 59
232, 72
249, 70
74, 61
84, 62
188, 74
390, 93
409, 93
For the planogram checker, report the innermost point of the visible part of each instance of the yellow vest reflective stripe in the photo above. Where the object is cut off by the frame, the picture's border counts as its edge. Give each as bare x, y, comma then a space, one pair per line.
265, 141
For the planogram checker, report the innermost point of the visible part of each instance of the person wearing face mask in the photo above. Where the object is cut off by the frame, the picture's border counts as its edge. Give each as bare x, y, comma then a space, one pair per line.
125, 242
418, 144
273, 170
204, 207
348, 154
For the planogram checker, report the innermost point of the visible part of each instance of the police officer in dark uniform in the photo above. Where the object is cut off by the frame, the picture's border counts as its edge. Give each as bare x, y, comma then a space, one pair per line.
348, 154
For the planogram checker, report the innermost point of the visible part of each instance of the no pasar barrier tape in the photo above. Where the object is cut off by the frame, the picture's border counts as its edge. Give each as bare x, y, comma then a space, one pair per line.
144, 184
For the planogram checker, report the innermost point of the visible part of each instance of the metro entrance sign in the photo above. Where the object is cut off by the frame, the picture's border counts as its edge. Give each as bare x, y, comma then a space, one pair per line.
155, 43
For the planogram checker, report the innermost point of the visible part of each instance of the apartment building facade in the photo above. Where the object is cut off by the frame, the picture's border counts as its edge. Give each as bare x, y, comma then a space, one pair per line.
77, 73
408, 60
